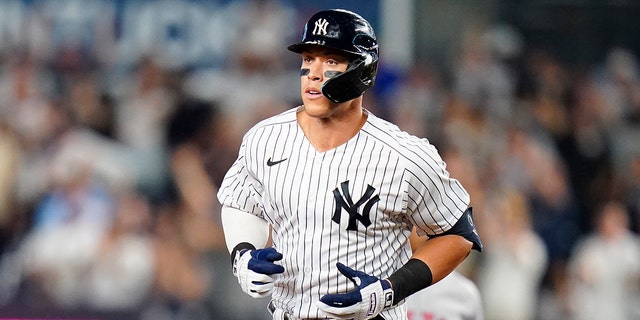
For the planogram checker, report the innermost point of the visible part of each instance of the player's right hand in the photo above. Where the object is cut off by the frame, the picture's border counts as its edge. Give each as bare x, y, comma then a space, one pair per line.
255, 270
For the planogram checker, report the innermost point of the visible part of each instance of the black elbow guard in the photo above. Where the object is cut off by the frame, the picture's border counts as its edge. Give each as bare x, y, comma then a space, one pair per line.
466, 229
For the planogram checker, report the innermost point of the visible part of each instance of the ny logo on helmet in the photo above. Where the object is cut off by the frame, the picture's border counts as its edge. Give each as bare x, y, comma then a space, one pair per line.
344, 201
320, 28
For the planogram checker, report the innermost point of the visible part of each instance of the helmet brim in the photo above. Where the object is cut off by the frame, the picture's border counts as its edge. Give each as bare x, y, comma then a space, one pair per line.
301, 47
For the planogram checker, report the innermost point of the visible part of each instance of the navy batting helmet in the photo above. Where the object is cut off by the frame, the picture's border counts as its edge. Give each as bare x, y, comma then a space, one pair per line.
351, 34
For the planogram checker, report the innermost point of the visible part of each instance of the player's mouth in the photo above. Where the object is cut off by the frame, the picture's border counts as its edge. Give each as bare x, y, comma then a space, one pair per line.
313, 93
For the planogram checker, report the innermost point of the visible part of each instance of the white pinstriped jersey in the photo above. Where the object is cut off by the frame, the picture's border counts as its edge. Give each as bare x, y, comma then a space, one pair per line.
354, 204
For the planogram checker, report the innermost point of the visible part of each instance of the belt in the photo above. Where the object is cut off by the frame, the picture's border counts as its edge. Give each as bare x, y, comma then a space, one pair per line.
272, 309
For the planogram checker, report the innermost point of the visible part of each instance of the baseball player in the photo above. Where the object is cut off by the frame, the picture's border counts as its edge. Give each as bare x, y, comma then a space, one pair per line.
339, 191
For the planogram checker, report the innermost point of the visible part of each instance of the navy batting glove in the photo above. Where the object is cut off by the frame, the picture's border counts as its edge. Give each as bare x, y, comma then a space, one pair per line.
255, 270
370, 297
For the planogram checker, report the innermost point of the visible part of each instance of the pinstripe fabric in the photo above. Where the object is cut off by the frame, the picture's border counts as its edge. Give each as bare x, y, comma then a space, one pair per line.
306, 198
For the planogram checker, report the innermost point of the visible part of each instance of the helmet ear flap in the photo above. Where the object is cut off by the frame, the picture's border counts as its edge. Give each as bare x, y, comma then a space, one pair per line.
365, 43
359, 76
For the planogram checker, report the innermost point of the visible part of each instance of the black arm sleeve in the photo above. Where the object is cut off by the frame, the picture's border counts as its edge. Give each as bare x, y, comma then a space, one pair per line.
414, 276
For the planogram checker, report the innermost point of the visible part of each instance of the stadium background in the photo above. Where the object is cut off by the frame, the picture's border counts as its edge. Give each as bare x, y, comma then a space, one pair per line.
119, 118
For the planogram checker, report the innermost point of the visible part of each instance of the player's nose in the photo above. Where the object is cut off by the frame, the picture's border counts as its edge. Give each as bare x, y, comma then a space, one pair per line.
314, 72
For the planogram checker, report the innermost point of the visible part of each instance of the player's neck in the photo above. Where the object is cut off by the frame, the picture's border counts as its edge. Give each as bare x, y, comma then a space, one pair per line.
328, 133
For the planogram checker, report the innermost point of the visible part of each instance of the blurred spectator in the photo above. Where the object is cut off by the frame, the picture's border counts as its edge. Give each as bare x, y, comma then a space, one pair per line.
632, 194
91, 107
532, 165
470, 134
587, 148
68, 226
481, 76
27, 109
544, 90
417, 103
198, 142
120, 275
605, 269
190, 134
455, 297
143, 103
513, 263
26, 92
618, 82
10, 151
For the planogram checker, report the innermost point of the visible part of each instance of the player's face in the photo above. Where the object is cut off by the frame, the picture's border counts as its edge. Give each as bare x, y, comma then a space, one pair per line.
320, 64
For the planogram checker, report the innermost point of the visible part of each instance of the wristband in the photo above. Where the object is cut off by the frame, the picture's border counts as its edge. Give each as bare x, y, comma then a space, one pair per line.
414, 276
239, 247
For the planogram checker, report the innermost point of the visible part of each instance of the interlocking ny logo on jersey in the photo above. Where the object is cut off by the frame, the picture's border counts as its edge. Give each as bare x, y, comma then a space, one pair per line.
320, 28
344, 201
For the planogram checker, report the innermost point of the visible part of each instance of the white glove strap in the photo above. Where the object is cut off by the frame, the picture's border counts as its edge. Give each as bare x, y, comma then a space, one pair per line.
374, 300
241, 268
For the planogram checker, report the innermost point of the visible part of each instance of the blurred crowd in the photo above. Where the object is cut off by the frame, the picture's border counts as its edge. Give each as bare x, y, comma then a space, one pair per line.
108, 176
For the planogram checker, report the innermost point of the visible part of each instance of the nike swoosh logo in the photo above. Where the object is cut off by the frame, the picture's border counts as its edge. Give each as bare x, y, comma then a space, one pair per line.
273, 163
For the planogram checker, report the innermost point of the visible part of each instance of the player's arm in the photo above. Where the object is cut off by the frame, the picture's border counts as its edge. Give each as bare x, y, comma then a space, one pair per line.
431, 261
243, 230
435, 257
246, 236
441, 255
430, 255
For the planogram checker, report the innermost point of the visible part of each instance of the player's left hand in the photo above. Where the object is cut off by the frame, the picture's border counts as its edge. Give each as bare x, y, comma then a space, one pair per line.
370, 297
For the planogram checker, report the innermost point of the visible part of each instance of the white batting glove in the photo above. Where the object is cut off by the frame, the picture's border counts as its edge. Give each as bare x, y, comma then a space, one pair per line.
255, 270
370, 297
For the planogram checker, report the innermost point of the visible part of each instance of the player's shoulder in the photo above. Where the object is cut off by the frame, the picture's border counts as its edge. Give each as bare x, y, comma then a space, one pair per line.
405, 145
285, 118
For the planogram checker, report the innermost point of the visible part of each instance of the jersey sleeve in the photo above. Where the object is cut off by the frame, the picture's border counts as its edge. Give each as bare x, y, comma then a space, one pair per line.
435, 200
240, 189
